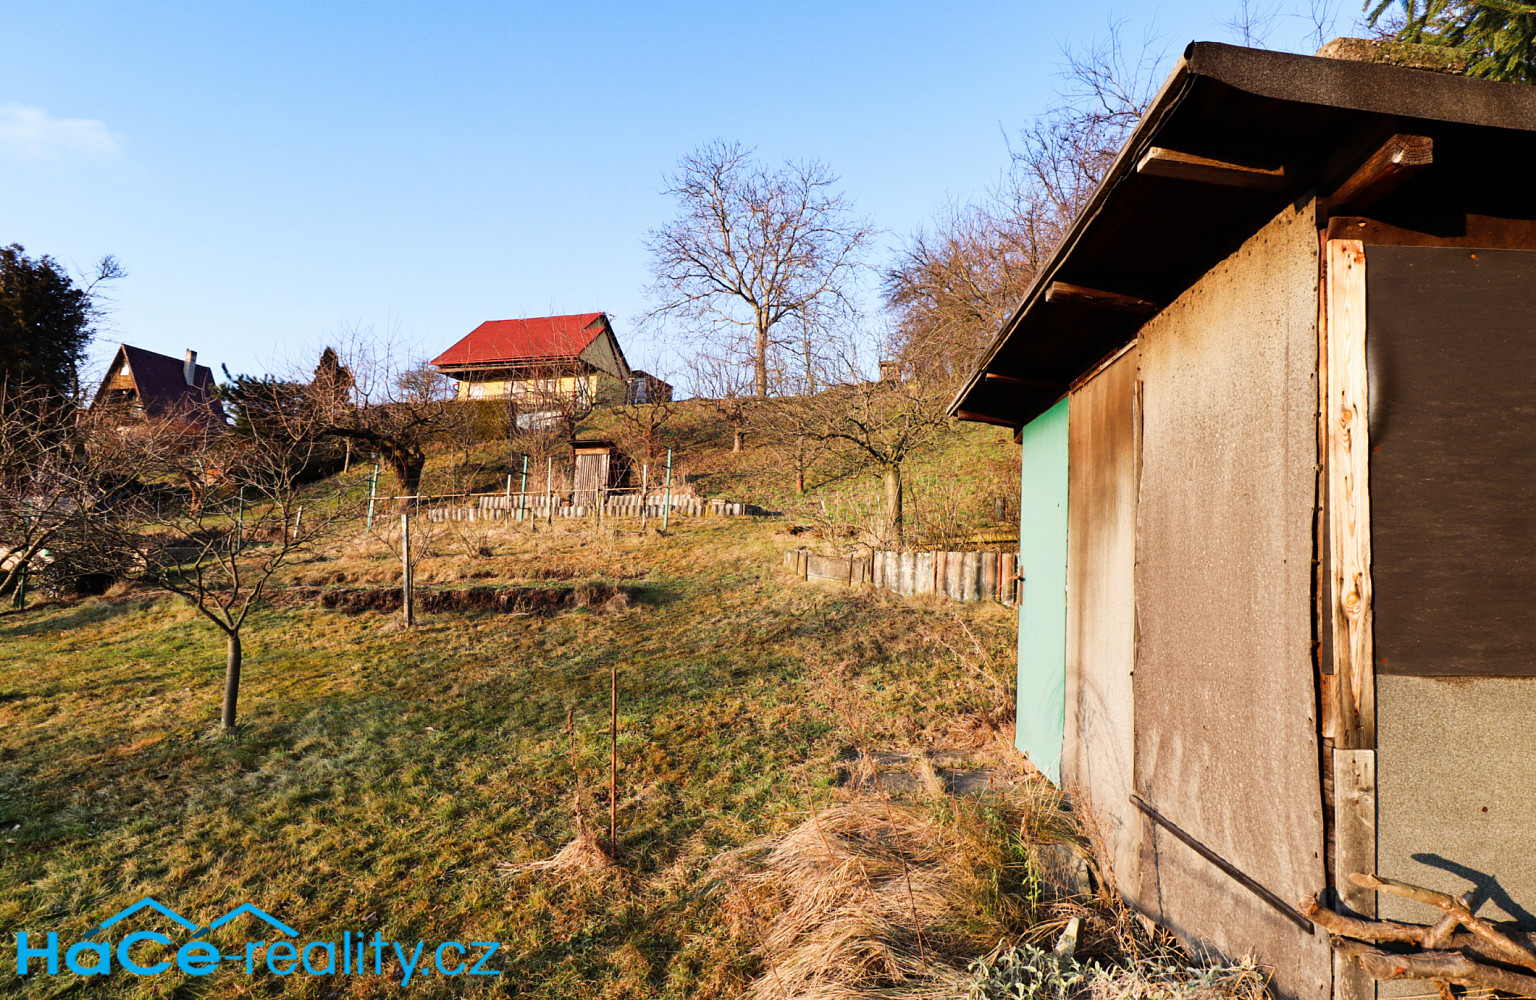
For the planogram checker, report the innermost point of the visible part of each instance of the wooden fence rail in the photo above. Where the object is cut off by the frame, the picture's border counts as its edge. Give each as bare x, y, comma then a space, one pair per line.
963, 576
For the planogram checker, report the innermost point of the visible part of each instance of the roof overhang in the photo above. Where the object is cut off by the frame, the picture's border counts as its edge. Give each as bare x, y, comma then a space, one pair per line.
1233, 136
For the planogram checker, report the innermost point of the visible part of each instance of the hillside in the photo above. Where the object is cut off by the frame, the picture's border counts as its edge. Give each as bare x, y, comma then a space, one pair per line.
951, 483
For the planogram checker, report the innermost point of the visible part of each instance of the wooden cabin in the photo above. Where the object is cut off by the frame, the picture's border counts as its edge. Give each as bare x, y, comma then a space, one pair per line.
1276, 407
141, 385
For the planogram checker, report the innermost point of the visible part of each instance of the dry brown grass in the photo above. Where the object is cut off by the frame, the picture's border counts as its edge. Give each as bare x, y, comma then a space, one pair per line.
866, 897
583, 856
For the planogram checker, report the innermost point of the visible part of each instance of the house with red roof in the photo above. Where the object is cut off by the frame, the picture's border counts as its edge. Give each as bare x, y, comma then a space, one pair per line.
542, 360
143, 385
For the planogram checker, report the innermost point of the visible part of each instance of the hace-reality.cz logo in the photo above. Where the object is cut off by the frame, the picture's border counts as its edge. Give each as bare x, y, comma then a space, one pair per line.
144, 952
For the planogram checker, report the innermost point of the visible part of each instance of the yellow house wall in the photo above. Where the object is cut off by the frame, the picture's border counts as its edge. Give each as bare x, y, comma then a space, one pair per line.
601, 387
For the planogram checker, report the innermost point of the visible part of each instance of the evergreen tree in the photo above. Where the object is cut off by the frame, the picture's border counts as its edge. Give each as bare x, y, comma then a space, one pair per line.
45, 323
1498, 37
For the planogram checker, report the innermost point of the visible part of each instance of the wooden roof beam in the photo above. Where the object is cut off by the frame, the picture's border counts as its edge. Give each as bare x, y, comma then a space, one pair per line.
1067, 294
1393, 162
1160, 162
982, 418
1024, 383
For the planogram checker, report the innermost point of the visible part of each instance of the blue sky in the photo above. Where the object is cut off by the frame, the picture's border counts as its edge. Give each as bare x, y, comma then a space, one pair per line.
272, 174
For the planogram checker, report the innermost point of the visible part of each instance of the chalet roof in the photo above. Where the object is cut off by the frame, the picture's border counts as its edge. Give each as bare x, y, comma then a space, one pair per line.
539, 338
1144, 235
161, 384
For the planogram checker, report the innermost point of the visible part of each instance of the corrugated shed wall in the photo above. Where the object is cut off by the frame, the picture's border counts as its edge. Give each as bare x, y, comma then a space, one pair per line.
1043, 592
1101, 606
1226, 734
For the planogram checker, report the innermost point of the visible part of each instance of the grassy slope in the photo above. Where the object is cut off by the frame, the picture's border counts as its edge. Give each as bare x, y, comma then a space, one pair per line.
950, 480
381, 775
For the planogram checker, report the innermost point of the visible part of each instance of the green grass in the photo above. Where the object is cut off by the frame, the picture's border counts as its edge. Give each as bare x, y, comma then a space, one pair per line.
380, 775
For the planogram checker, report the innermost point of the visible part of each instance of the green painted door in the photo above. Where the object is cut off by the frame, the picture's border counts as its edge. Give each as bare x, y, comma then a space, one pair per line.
1042, 704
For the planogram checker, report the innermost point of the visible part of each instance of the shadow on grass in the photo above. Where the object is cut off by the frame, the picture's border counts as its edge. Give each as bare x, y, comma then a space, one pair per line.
91, 611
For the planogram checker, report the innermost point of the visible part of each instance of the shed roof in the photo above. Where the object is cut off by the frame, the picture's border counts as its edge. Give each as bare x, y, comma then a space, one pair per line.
539, 338
1149, 237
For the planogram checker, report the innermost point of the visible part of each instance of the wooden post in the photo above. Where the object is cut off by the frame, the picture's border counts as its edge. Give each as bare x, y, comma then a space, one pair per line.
373, 490
645, 485
240, 522
666, 503
298, 519
1351, 714
1349, 497
20, 601
1354, 824
613, 763
405, 566
549, 492
522, 493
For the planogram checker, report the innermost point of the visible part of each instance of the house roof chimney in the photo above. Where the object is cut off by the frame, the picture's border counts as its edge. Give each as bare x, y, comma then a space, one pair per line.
189, 370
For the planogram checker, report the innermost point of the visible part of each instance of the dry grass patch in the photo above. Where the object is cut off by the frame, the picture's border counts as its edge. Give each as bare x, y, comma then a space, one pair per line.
875, 898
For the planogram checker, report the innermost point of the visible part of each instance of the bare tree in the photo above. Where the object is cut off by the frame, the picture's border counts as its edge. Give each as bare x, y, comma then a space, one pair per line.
726, 388
218, 547
954, 283
642, 418
953, 286
1063, 153
883, 421
759, 261
59, 484
394, 404
559, 397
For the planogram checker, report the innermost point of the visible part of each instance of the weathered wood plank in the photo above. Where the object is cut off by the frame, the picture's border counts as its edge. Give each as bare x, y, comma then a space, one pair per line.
1160, 162
1354, 816
1349, 497
1393, 162
1061, 292
1354, 822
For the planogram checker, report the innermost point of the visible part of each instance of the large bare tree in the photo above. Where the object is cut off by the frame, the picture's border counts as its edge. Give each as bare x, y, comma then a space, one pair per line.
954, 283
759, 262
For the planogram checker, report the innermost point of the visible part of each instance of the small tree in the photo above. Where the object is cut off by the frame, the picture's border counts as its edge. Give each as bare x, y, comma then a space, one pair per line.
726, 388
884, 422
393, 404
60, 487
219, 546
640, 426
758, 260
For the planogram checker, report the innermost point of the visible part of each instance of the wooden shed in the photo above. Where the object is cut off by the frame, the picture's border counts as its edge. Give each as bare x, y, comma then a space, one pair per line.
1276, 402
600, 468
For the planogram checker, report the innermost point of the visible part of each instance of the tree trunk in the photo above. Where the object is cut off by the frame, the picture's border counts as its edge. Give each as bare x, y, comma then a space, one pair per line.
231, 680
893, 501
407, 464
736, 438
760, 362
